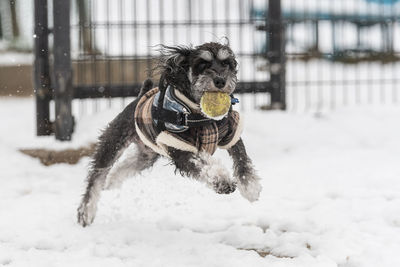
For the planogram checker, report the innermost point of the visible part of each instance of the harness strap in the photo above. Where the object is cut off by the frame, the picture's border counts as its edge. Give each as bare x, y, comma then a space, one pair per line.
162, 87
179, 118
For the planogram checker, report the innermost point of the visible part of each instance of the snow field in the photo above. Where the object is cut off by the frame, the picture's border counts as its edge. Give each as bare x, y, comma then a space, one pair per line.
331, 197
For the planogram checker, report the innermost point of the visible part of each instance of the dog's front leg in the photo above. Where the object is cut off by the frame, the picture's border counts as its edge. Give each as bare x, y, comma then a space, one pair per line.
248, 181
204, 168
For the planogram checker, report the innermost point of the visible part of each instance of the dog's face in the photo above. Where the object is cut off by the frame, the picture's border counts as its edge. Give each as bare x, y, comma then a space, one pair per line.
208, 67
212, 68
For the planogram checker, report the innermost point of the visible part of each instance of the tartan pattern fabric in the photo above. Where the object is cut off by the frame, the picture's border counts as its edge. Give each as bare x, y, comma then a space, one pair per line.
205, 138
143, 117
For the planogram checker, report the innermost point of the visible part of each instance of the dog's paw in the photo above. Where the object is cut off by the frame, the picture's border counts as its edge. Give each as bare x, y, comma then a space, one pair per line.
86, 214
224, 187
251, 191
215, 174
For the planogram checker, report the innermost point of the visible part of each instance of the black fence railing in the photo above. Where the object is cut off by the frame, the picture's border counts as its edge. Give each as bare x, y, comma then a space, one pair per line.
303, 55
116, 41
113, 47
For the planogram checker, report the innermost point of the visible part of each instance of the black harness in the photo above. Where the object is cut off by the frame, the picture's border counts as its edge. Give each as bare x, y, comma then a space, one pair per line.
163, 115
186, 119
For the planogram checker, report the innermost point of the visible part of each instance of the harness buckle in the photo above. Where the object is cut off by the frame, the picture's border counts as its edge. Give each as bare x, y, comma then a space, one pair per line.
184, 117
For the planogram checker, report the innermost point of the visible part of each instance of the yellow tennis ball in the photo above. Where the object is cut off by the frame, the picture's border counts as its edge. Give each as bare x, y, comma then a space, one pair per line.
215, 104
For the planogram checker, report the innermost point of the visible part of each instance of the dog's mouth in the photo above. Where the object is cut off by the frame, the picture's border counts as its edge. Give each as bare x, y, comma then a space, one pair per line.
228, 89
205, 84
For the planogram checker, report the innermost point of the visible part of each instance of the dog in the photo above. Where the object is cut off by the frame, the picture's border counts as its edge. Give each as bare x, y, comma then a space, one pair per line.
166, 121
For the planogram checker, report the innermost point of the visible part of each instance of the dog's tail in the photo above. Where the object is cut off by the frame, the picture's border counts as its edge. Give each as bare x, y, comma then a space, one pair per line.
147, 85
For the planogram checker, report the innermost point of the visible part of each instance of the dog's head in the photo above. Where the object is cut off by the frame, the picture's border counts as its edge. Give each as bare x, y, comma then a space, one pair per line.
193, 71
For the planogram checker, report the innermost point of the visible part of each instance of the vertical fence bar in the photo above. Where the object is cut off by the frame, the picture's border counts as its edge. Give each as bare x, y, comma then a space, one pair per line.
42, 69
276, 54
64, 123
1, 29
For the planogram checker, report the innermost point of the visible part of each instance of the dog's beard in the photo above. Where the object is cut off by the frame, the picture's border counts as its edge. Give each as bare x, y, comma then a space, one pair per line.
204, 83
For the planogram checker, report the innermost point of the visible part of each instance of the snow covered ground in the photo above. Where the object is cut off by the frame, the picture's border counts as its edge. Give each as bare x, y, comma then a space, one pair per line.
331, 197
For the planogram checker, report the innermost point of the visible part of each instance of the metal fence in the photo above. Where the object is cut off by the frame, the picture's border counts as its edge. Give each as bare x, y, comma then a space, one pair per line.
296, 55
116, 42
341, 53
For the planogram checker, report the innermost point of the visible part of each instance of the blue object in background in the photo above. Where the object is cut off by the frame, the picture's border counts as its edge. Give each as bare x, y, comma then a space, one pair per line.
386, 2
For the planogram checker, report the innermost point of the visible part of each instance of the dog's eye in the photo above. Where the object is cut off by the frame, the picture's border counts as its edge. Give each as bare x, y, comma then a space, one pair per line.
203, 65
225, 63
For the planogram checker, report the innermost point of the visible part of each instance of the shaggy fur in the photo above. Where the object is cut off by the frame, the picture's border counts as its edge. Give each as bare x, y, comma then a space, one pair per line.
208, 67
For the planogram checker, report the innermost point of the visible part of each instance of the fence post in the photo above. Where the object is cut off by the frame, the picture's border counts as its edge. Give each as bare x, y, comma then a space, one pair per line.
276, 54
42, 69
63, 93
1, 29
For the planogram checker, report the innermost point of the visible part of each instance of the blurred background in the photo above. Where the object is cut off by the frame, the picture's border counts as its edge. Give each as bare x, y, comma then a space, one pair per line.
82, 56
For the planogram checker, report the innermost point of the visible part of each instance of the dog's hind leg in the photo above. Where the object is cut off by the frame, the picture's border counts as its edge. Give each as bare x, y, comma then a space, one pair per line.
247, 179
135, 162
114, 140
204, 168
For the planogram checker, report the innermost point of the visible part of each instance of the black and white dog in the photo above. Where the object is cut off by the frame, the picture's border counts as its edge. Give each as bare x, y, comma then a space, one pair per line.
167, 121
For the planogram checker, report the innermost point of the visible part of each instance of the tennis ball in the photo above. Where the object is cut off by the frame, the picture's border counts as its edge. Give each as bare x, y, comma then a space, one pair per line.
215, 105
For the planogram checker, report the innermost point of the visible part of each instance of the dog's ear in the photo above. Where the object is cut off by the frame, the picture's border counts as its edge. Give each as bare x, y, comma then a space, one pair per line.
174, 64
175, 57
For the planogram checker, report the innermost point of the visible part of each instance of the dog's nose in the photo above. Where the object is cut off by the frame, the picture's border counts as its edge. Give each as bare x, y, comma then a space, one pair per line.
219, 82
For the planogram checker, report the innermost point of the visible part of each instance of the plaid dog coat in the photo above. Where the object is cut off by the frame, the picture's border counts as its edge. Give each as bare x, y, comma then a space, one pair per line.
223, 133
